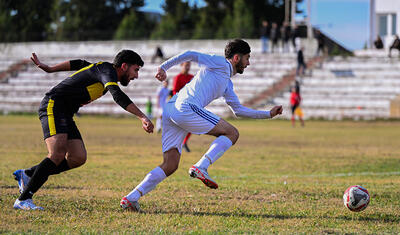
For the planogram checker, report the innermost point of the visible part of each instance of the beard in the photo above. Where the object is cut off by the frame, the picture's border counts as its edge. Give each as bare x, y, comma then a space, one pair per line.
124, 80
240, 68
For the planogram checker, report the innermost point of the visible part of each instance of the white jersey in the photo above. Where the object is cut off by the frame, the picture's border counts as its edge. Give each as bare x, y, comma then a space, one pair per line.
211, 82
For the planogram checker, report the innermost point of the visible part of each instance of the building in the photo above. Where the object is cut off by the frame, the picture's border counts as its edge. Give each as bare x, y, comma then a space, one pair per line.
384, 20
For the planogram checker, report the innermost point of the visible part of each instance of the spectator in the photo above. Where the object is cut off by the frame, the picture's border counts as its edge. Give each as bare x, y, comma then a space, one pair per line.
395, 45
264, 32
158, 54
301, 65
378, 43
162, 97
295, 38
321, 42
285, 32
179, 82
295, 100
274, 36
149, 108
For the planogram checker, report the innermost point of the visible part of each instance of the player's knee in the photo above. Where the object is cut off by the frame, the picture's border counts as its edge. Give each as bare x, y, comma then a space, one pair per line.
234, 135
57, 157
77, 160
170, 167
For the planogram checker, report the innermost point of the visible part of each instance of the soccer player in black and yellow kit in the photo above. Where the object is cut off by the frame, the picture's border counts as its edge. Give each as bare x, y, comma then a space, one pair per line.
64, 142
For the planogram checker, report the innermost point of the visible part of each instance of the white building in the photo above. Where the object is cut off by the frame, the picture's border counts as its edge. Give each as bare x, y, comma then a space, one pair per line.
384, 20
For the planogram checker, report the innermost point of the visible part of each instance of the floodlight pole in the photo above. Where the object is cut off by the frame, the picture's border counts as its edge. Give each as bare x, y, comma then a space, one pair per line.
309, 26
372, 23
293, 13
287, 10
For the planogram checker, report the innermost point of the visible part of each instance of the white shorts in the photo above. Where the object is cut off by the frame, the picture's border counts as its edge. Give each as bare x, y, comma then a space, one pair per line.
180, 119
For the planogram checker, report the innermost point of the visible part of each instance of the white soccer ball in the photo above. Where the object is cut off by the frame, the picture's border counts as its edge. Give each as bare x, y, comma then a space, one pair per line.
356, 198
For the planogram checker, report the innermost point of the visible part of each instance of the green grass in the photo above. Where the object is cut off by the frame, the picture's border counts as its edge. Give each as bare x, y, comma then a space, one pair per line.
276, 179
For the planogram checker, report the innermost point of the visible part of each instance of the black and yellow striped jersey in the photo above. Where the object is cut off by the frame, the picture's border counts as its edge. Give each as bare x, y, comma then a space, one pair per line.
89, 83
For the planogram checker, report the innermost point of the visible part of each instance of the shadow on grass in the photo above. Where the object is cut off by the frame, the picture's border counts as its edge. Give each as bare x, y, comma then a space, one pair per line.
46, 187
386, 218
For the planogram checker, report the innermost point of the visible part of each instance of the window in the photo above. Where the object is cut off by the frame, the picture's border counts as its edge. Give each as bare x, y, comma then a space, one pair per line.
382, 25
394, 26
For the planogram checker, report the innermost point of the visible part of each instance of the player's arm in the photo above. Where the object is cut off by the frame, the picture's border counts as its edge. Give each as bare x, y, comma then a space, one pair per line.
178, 59
69, 65
241, 111
123, 100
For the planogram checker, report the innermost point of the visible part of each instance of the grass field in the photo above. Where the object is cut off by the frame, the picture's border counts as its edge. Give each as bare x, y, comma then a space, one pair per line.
276, 179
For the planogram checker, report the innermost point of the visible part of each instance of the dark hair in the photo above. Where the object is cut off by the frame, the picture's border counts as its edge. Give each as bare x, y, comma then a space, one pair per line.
237, 46
129, 57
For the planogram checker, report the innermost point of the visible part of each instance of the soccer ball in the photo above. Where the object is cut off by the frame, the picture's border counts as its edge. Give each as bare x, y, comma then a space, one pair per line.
356, 198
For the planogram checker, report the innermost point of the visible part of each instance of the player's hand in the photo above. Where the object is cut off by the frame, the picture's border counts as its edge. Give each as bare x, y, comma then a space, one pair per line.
39, 64
147, 125
161, 75
276, 110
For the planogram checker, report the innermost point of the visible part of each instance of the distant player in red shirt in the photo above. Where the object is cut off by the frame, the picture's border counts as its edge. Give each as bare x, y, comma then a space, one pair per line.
295, 100
179, 82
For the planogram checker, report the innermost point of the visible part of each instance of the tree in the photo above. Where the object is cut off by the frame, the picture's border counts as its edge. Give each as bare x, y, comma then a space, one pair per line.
24, 20
242, 23
90, 19
177, 22
210, 18
134, 25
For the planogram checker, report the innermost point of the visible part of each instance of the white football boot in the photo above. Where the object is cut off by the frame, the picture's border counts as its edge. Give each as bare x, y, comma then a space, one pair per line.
128, 205
26, 205
202, 175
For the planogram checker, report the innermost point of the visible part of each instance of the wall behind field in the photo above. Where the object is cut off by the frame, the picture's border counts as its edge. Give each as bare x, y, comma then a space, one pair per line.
110, 48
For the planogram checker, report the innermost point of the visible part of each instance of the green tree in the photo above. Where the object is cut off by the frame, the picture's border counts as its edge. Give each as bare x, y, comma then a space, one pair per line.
24, 20
90, 19
226, 29
242, 23
177, 22
134, 25
210, 18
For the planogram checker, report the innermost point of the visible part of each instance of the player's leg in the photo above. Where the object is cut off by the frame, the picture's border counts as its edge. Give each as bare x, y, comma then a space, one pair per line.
300, 114
57, 147
55, 130
76, 152
172, 137
159, 120
185, 145
227, 135
198, 120
293, 119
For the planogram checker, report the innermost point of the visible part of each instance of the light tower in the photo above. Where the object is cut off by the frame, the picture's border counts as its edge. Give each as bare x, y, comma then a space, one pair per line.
372, 23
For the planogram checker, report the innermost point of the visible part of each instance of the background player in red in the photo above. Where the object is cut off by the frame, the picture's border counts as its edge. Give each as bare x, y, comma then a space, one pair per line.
295, 100
179, 82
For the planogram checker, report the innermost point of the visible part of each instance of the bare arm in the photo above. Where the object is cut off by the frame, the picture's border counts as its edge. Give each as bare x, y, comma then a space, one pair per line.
146, 123
63, 66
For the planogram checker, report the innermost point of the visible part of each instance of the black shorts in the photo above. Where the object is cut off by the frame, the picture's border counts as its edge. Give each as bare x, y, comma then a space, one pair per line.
56, 119
294, 107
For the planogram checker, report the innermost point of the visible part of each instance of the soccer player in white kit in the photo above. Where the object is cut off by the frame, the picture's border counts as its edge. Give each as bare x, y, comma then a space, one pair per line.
185, 113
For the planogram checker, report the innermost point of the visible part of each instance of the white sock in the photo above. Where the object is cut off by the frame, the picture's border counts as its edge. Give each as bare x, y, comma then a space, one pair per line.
158, 124
149, 182
216, 150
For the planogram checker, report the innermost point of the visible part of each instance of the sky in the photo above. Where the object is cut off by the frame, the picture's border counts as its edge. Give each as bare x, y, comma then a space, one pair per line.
346, 21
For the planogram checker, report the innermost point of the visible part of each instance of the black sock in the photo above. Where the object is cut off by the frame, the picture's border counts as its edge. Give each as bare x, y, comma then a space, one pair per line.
29, 172
60, 168
42, 172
